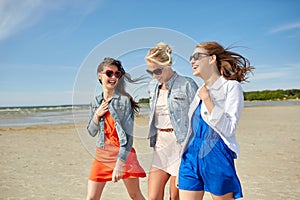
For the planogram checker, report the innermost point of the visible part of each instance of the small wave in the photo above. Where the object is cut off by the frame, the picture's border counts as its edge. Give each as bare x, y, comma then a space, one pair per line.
32, 109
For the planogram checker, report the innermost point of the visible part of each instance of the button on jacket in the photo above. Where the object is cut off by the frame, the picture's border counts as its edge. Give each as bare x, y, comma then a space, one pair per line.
120, 109
181, 91
227, 96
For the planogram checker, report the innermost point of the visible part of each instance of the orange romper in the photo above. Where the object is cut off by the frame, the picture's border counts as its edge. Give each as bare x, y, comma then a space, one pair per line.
105, 159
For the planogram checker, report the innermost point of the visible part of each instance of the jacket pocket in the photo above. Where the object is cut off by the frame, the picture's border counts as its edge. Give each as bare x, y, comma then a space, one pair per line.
179, 101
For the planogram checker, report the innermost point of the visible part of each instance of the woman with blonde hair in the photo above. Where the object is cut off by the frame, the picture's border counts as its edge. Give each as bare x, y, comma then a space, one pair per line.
170, 98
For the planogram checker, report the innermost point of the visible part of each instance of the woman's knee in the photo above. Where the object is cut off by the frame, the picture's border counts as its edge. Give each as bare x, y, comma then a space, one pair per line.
174, 195
133, 195
91, 197
137, 195
155, 195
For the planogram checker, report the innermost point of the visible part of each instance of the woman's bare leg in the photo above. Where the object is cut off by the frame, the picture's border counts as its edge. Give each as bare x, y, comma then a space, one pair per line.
228, 196
156, 183
191, 195
94, 190
133, 188
174, 192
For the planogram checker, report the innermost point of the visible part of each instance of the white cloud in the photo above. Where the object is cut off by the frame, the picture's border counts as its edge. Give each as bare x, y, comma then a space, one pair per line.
285, 27
273, 77
17, 15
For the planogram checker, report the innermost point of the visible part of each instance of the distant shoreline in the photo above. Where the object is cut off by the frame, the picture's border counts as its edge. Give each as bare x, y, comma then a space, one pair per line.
46, 106
272, 102
73, 114
75, 106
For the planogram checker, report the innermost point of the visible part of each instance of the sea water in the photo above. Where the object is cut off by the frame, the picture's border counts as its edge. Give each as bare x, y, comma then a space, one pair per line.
63, 114
36, 115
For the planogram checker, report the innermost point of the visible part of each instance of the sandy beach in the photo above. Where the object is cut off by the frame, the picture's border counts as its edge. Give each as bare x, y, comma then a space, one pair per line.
53, 161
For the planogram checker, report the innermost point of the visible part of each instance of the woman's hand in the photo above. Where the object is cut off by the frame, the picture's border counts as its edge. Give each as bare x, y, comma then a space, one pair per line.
101, 110
203, 93
205, 97
117, 173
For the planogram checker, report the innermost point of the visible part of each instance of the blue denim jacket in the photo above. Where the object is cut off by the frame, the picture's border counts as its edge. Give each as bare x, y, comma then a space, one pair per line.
120, 109
181, 92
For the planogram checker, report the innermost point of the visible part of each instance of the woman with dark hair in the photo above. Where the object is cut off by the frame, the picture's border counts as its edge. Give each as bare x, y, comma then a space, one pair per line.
112, 117
208, 153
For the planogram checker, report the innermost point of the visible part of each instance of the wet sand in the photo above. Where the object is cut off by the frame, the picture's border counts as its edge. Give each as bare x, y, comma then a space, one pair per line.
53, 161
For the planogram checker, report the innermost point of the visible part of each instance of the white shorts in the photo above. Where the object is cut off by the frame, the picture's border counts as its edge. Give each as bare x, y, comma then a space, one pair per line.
166, 154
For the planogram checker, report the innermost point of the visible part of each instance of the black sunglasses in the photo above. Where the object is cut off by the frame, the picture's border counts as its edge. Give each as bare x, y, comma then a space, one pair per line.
110, 73
196, 56
157, 71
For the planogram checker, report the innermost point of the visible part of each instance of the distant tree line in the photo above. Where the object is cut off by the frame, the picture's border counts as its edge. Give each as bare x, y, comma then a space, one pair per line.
262, 95
272, 95
144, 100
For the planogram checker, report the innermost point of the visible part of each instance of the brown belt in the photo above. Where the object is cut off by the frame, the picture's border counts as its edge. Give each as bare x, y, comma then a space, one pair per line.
166, 129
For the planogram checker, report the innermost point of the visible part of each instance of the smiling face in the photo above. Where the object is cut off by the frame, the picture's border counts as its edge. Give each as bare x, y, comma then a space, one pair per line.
158, 72
200, 62
109, 83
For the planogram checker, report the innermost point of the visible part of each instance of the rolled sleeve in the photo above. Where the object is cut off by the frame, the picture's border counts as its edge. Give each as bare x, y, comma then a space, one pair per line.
93, 128
127, 126
123, 154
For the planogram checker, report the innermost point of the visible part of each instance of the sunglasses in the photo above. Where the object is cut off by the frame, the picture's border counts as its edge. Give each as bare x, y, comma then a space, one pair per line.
111, 73
157, 71
196, 56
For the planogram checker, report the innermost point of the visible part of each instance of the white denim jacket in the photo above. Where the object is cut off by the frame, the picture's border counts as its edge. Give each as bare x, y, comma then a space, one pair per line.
227, 96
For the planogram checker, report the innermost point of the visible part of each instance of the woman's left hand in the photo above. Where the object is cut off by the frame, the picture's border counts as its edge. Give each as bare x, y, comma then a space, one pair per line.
117, 173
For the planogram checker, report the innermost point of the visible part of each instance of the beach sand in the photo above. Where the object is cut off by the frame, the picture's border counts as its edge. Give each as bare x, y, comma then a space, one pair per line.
53, 161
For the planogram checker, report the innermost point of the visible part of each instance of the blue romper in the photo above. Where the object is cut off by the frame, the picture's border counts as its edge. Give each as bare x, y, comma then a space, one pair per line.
208, 163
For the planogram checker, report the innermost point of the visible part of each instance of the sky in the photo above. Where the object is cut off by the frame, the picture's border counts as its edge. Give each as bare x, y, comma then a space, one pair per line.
49, 50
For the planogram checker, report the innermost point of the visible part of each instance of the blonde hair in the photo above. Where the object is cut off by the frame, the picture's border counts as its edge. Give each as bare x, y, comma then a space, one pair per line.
160, 54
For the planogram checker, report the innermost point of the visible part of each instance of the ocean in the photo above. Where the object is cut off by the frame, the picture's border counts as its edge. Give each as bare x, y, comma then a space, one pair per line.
64, 114
37, 115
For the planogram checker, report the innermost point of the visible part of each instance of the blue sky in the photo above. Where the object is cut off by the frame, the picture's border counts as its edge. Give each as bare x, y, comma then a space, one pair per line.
46, 46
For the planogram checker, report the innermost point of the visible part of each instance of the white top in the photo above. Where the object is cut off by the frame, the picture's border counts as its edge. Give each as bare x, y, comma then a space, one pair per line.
227, 96
162, 117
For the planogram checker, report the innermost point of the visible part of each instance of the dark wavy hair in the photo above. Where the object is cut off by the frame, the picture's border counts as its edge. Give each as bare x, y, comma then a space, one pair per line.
231, 65
122, 81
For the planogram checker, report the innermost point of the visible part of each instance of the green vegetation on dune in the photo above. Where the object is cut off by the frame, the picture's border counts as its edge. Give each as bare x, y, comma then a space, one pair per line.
272, 95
